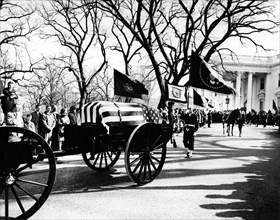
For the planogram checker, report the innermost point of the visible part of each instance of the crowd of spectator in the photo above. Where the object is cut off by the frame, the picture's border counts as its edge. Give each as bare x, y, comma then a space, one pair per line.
206, 118
50, 124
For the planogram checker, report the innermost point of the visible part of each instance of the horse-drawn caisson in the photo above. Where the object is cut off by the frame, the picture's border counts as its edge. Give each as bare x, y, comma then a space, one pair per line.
28, 165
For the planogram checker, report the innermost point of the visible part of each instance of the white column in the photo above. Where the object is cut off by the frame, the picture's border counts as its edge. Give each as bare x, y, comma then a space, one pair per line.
267, 100
238, 88
249, 91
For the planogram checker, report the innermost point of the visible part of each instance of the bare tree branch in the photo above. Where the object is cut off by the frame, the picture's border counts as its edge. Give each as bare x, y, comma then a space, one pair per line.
77, 25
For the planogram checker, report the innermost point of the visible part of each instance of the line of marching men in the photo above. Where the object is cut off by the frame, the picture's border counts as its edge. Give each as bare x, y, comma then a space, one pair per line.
187, 121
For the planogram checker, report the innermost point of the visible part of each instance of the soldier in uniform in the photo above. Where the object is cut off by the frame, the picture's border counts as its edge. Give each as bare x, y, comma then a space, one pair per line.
190, 127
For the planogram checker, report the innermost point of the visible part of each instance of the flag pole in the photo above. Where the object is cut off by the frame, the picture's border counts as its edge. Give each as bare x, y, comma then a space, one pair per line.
188, 96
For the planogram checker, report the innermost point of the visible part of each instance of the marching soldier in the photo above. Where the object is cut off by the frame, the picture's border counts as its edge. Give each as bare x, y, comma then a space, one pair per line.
190, 127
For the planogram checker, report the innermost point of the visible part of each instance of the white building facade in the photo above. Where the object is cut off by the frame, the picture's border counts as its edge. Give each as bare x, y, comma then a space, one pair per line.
257, 82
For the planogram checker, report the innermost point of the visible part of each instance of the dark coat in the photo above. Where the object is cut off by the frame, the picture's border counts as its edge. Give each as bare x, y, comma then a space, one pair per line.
37, 119
190, 120
191, 126
8, 100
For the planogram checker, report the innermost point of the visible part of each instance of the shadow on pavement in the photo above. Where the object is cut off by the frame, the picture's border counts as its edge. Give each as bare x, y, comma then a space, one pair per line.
260, 194
256, 198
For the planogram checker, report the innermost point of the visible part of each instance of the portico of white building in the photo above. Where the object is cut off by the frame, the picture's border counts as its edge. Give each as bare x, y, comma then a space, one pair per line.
256, 80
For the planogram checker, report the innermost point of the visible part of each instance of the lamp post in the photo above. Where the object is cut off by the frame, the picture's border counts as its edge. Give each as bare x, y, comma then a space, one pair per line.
227, 101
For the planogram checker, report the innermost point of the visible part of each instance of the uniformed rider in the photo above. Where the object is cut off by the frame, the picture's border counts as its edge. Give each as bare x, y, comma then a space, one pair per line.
190, 127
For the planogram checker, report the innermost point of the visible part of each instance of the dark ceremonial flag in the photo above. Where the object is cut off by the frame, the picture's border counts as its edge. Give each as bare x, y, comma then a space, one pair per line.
128, 87
197, 99
203, 76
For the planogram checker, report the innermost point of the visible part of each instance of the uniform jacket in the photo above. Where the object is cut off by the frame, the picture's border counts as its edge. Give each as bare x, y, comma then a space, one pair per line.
190, 121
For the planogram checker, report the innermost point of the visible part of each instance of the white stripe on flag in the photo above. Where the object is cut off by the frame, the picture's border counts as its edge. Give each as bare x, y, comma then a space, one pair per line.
133, 118
110, 119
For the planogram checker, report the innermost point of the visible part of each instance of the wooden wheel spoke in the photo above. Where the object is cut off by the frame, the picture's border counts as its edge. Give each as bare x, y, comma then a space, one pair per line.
149, 169
137, 166
26, 166
145, 170
153, 146
18, 200
155, 159
140, 171
34, 172
96, 159
106, 158
137, 152
152, 163
101, 159
156, 152
135, 160
32, 182
110, 155
158, 146
28, 193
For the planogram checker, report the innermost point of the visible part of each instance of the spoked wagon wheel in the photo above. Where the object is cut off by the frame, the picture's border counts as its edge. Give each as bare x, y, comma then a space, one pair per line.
27, 172
103, 158
145, 153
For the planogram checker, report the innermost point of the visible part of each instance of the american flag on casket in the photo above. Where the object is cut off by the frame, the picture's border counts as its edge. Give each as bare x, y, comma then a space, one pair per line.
117, 113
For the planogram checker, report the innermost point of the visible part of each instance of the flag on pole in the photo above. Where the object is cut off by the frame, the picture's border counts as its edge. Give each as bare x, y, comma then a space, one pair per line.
210, 102
274, 106
198, 99
203, 76
176, 93
128, 87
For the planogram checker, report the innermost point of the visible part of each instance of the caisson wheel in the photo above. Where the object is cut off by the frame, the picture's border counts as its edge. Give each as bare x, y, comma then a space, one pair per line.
27, 172
102, 158
145, 153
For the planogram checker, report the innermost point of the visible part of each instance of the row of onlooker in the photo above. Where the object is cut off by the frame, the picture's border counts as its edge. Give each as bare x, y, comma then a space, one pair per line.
50, 124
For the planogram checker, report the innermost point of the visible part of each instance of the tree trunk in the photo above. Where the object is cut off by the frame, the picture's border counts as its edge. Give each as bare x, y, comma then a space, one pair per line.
162, 101
82, 98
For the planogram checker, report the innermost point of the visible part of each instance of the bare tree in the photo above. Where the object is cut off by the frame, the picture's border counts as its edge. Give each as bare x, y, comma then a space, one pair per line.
16, 26
170, 30
48, 85
77, 26
102, 87
126, 43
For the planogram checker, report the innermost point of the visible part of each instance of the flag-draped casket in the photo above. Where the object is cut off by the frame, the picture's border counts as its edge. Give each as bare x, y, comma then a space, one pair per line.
114, 114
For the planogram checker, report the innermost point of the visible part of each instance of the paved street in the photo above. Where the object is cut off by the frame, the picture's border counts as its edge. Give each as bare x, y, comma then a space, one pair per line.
227, 178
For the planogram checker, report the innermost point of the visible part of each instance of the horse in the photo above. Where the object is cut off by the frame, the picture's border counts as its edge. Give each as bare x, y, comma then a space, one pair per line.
231, 119
224, 117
